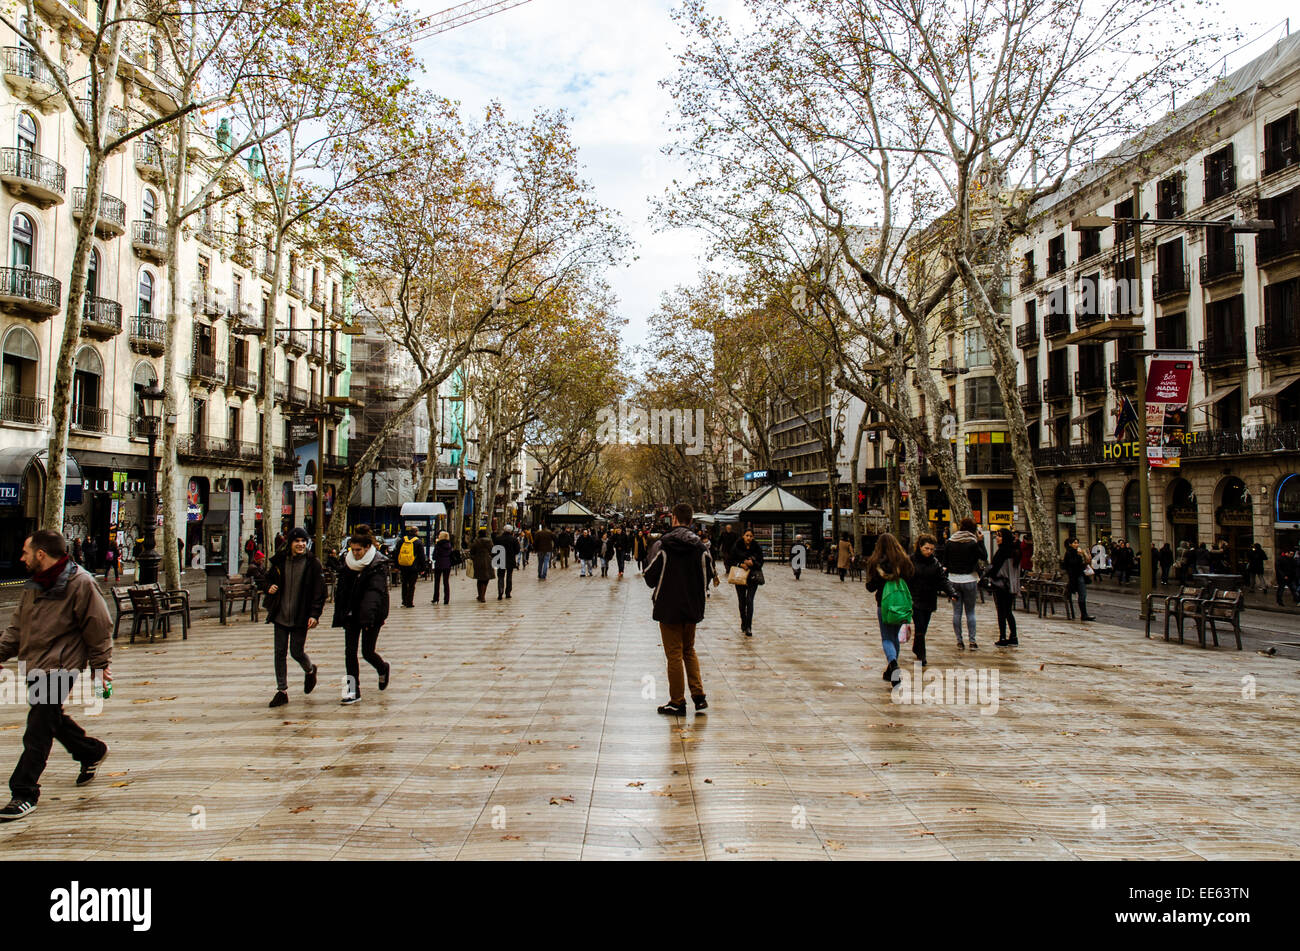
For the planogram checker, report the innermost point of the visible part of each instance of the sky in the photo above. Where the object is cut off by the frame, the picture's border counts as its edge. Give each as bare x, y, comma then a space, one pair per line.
602, 61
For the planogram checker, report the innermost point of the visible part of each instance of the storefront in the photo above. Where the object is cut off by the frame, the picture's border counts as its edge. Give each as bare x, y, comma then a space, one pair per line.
1099, 523
1184, 515
1132, 513
1234, 519
1286, 515
1002, 508
22, 489
1066, 518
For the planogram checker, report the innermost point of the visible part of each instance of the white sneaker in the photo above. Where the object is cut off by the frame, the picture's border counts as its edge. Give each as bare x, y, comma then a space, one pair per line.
350, 699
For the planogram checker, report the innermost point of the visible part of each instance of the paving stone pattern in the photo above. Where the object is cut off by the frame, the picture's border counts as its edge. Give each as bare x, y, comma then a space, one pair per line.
522, 729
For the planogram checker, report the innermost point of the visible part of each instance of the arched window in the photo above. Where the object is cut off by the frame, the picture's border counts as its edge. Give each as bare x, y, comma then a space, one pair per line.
21, 361
144, 302
22, 241
28, 133
144, 376
92, 274
86, 377
148, 205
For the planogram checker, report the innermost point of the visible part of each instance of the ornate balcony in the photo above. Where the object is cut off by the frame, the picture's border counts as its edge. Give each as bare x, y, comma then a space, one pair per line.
295, 341
89, 419
208, 369
1030, 397
34, 177
149, 239
1280, 244
245, 323
1278, 338
297, 396
1056, 326
242, 253
148, 334
1219, 352
243, 378
111, 220
28, 76
1090, 381
116, 119
316, 354
1123, 373
1222, 265
34, 294
1056, 389
101, 318
149, 160
1171, 282
22, 409
1027, 334
297, 287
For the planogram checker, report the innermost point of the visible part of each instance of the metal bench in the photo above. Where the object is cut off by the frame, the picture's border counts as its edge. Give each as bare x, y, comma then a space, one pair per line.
1223, 606
122, 602
1173, 606
154, 608
1051, 591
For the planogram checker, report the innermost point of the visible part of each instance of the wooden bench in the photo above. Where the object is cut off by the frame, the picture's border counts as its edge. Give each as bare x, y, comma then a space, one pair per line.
242, 590
1051, 591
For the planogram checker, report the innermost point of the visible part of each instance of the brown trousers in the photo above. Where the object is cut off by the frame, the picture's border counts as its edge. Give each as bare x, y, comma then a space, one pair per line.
679, 648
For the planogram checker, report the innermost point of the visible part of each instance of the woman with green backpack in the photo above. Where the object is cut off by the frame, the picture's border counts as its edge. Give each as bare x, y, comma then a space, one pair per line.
888, 571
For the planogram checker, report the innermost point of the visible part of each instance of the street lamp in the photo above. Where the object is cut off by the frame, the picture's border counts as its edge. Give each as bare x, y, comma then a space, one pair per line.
146, 570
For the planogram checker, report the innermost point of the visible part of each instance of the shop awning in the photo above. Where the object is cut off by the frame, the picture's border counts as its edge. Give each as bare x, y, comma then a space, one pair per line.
1271, 392
423, 510
14, 462
1216, 395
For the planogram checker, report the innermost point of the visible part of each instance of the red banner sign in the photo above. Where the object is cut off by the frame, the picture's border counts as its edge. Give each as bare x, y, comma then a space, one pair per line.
1169, 380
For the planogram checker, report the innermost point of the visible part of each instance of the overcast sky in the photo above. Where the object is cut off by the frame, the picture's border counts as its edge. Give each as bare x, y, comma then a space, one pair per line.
602, 61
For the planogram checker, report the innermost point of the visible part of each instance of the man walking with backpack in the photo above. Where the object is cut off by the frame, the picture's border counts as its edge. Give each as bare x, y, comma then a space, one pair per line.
678, 568
410, 562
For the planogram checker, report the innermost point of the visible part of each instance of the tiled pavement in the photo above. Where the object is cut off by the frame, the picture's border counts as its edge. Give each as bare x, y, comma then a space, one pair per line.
519, 729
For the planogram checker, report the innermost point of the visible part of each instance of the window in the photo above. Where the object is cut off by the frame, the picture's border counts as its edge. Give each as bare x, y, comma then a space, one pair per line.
1169, 197
199, 416
148, 205
1170, 275
22, 358
87, 372
143, 378
1090, 295
233, 423
293, 317
1281, 143
144, 298
983, 400
1225, 327
1089, 243
204, 270
92, 274
237, 292
1123, 209
22, 242
1220, 174
977, 349
27, 133
988, 454
1171, 332
1056, 255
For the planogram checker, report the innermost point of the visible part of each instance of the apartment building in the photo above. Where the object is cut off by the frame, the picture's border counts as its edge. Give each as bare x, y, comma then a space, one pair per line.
1230, 155
226, 303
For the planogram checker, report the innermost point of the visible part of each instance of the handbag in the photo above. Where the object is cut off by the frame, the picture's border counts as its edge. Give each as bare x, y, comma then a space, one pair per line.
905, 633
469, 568
756, 576
738, 575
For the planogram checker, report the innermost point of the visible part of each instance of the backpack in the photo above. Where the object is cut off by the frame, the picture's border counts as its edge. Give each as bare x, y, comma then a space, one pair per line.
406, 557
896, 602
457, 557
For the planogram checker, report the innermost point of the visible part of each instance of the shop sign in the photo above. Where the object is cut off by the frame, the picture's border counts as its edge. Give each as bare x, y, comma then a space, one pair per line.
1183, 515
1169, 380
1002, 518
1288, 500
9, 493
1236, 518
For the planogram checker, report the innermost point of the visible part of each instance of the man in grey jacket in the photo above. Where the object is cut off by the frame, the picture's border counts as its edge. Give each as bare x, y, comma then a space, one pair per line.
61, 626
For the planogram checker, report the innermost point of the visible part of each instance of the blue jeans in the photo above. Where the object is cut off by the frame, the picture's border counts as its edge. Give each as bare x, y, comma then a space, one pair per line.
588, 567
1081, 594
888, 636
543, 563
966, 591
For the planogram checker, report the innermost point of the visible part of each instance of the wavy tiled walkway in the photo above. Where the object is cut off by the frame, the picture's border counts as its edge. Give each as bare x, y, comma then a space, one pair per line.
520, 729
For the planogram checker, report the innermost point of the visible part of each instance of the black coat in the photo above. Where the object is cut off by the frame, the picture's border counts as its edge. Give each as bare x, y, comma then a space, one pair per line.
511, 545
361, 597
311, 593
480, 552
442, 555
740, 552
1073, 563
679, 569
928, 581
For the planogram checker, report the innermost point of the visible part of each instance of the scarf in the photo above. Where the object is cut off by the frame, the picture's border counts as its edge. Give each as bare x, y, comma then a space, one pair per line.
51, 574
357, 564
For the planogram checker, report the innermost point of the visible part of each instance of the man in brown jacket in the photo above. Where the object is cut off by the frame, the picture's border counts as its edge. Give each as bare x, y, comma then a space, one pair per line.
61, 627
544, 545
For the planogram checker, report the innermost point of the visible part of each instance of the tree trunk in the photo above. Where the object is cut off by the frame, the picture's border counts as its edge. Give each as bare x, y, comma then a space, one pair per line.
56, 467
854, 484
271, 524
431, 457
916, 501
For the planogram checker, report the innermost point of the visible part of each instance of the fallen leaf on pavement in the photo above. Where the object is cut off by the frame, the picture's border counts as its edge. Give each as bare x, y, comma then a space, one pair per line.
666, 792
709, 781
556, 800
142, 700
636, 785
117, 774
488, 766
833, 845
858, 795
922, 832
511, 838
297, 809
125, 782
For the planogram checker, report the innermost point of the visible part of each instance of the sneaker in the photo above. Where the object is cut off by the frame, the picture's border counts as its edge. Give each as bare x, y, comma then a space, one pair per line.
700, 703
309, 680
961, 645
1088, 617
88, 770
1001, 642
674, 709
351, 698
1013, 642
17, 809
973, 645
383, 678
279, 700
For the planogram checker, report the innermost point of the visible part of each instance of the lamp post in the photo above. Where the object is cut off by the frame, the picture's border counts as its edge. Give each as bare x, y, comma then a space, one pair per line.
146, 571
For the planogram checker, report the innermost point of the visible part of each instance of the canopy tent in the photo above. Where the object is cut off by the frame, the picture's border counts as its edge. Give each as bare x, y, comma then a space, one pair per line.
423, 510
570, 511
